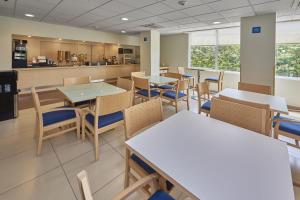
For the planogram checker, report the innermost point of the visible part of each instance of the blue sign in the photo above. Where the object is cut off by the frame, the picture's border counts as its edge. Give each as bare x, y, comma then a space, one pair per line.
256, 29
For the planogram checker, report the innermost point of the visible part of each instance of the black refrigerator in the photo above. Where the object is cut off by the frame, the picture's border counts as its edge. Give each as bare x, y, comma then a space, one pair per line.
8, 95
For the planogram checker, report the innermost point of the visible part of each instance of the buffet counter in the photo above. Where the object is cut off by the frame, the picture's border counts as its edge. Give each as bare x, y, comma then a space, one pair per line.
53, 76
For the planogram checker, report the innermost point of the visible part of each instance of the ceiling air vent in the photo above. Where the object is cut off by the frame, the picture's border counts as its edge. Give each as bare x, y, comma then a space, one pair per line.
152, 26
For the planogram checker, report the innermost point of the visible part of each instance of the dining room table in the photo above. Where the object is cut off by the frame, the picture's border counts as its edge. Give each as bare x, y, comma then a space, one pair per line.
277, 103
160, 80
85, 92
210, 159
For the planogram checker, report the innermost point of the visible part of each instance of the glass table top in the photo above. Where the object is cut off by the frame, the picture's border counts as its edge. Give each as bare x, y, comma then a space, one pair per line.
84, 92
160, 79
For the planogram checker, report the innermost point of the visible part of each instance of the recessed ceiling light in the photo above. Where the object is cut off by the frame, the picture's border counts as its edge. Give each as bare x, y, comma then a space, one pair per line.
124, 19
216, 22
59, 39
123, 31
29, 15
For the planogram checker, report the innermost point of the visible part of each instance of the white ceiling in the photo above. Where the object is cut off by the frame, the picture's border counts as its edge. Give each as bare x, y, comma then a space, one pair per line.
171, 17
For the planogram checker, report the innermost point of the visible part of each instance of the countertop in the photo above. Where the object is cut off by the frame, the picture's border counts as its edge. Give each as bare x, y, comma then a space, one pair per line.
70, 67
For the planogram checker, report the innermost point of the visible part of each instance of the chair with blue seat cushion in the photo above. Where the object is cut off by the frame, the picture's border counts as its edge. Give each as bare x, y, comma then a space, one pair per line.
108, 114
187, 76
137, 118
54, 122
170, 86
143, 89
218, 80
204, 102
152, 181
180, 94
287, 127
166, 87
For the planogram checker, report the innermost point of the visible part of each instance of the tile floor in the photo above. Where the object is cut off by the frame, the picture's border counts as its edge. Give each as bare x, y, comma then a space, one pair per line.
52, 175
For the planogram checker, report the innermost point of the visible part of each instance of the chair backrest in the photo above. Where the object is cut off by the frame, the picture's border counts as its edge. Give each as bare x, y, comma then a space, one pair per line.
266, 107
142, 115
203, 90
181, 70
76, 80
221, 76
125, 84
138, 74
173, 75
263, 89
239, 114
182, 85
112, 103
141, 83
84, 186
37, 104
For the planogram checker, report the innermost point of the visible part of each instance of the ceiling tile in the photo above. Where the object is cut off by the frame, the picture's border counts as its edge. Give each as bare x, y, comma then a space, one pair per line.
174, 15
228, 4
157, 9
207, 17
278, 6
197, 10
137, 14
189, 20
117, 7
138, 3
175, 5
239, 12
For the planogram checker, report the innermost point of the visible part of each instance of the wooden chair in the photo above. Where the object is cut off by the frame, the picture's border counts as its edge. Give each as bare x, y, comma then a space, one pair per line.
125, 84
244, 116
186, 76
152, 181
138, 74
108, 114
84, 186
143, 89
287, 127
171, 85
137, 118
174, 96
77, 81
266, 107
263, 89
54, 122
218, 81
203, 95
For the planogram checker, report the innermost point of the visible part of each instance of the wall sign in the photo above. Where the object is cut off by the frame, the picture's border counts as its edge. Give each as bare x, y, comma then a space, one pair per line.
256, 29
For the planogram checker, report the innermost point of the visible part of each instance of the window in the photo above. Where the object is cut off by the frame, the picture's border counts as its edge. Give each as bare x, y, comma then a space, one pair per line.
216, 49
288, 49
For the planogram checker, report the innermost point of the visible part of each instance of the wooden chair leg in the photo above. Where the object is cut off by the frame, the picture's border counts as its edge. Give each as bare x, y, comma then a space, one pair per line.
176, 106
78, 128
297, 143
127, 169
83, 129
40, 142
96, 143
275, 134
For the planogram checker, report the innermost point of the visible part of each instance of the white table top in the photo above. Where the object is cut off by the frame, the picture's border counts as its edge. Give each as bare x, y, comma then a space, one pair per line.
84, 92
213, 160
160, 79
277, 104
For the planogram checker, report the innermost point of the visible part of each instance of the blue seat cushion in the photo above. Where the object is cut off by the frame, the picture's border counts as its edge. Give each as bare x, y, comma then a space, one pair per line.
57, 116
187, 76
148, 169
172, 94
167, 87
211, 79
290, 127
161, 195
105, 120
206, 105
144, 92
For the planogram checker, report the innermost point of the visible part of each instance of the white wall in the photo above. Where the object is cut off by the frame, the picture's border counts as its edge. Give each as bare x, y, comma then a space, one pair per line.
11, 26
174, 50
150, 52
258, 49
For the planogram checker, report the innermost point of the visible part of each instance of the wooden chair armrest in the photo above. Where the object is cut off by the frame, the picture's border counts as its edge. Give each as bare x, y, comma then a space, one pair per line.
47, 100
286, 120
78, 111
136, 186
